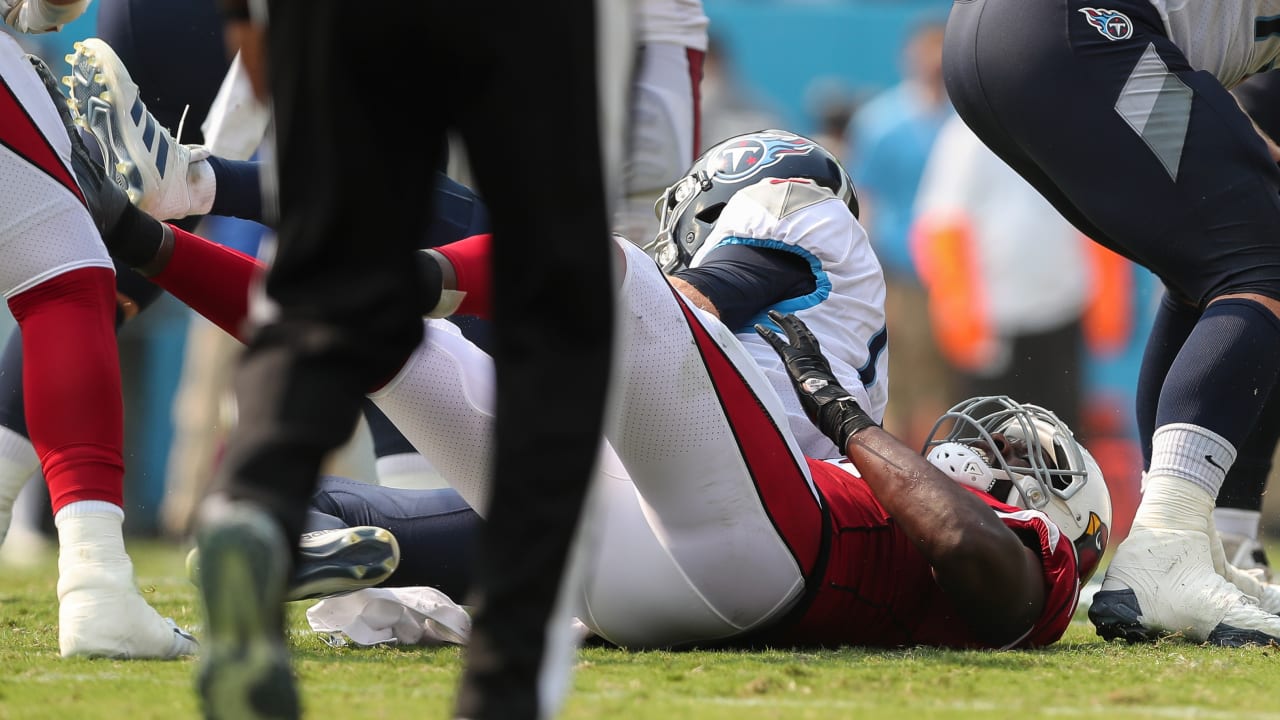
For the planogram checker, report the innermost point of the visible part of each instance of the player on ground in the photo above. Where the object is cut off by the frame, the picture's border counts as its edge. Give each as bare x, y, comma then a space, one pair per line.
764, 222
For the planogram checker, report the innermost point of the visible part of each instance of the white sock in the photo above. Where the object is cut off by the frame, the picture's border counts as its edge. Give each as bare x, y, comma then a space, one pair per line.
1192, 453
91, 550
1173, 503
1239, 522
18, 462
202, 186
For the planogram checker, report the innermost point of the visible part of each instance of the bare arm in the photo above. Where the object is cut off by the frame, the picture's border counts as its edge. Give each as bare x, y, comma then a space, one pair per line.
694, 295
995, 581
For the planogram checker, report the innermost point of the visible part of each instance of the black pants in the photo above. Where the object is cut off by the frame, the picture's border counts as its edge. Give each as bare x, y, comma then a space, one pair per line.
1184, 187
519, 84
1146, 156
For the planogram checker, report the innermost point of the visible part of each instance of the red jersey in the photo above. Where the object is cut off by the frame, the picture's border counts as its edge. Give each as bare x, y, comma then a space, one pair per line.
878, 590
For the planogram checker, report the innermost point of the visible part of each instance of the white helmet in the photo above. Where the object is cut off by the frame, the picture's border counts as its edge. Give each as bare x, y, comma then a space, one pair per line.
1025, 456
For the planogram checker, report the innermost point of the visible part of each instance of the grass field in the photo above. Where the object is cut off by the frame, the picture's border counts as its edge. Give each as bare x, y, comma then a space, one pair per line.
1079, 677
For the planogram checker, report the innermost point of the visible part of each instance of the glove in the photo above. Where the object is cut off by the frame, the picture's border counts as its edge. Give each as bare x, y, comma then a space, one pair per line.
830, 407
106, 200
40, 16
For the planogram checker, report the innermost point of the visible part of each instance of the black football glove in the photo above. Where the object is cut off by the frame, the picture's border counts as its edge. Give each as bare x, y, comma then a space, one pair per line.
106, 200
830, 407
130, 235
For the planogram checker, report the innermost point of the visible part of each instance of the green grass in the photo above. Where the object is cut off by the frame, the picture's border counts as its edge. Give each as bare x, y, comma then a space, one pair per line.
1079, 677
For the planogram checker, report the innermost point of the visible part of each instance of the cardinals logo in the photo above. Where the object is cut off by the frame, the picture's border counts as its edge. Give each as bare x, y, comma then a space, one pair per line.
1113, 25
744, 158
1090, 546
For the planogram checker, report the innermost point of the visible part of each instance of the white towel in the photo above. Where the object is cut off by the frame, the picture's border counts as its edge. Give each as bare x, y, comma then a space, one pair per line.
396, 616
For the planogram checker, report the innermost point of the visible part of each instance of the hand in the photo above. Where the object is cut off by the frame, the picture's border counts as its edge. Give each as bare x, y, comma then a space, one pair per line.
106, 200
41, 16
829, 406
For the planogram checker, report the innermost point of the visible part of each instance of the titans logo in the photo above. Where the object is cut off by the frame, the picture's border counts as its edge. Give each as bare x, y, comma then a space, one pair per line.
747, 157
1113, 25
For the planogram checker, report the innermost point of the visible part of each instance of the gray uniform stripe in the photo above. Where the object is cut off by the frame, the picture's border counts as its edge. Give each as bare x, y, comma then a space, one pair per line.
1157, 105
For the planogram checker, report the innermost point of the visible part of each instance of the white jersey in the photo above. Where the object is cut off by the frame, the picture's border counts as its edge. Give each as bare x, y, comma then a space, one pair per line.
688, 547
1232, 39
672, 22
45, 229
846, 309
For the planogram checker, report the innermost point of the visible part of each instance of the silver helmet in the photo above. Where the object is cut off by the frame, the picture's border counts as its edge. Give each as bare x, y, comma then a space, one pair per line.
1025, 456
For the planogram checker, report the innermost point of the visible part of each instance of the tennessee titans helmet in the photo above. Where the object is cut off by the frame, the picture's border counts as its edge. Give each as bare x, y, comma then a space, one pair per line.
1025, 456
687, 211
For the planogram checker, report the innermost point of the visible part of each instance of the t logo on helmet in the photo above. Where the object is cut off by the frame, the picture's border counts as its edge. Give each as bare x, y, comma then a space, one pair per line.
739, 160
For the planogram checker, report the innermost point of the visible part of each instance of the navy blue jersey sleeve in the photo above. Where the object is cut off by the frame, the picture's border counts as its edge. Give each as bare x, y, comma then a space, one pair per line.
742, 280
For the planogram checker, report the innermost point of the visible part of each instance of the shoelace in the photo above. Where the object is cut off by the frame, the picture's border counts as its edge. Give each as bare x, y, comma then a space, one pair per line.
182, 121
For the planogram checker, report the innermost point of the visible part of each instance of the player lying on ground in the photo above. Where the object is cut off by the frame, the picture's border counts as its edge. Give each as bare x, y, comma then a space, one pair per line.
691, 211
714, 526
436, 527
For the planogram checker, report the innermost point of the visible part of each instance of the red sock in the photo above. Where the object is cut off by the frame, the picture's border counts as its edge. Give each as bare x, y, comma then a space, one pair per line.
71, 378
470, 260
210, 278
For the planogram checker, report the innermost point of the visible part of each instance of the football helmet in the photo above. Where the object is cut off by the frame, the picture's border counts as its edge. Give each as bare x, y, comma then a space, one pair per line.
1025, 456
688, 210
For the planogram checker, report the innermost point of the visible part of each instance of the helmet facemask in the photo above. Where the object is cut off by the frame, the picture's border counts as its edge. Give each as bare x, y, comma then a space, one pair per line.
1035, 463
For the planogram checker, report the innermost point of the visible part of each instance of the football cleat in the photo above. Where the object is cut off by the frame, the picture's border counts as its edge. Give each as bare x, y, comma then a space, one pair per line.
106, 201
333, 562
1162, 582
139, 154
1252, 582
244, 671
100, 611
1246, 553
97, 618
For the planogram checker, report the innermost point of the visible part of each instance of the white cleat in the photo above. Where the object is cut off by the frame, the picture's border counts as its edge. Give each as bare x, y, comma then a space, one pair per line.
1246, 553
1253, 581
1163, 582
99, 618
1254, 584
138, 153
100, 611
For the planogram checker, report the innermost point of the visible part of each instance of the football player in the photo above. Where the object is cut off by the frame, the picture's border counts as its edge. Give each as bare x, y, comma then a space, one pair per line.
1119, 114
913, 554
724, 514
58, 281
